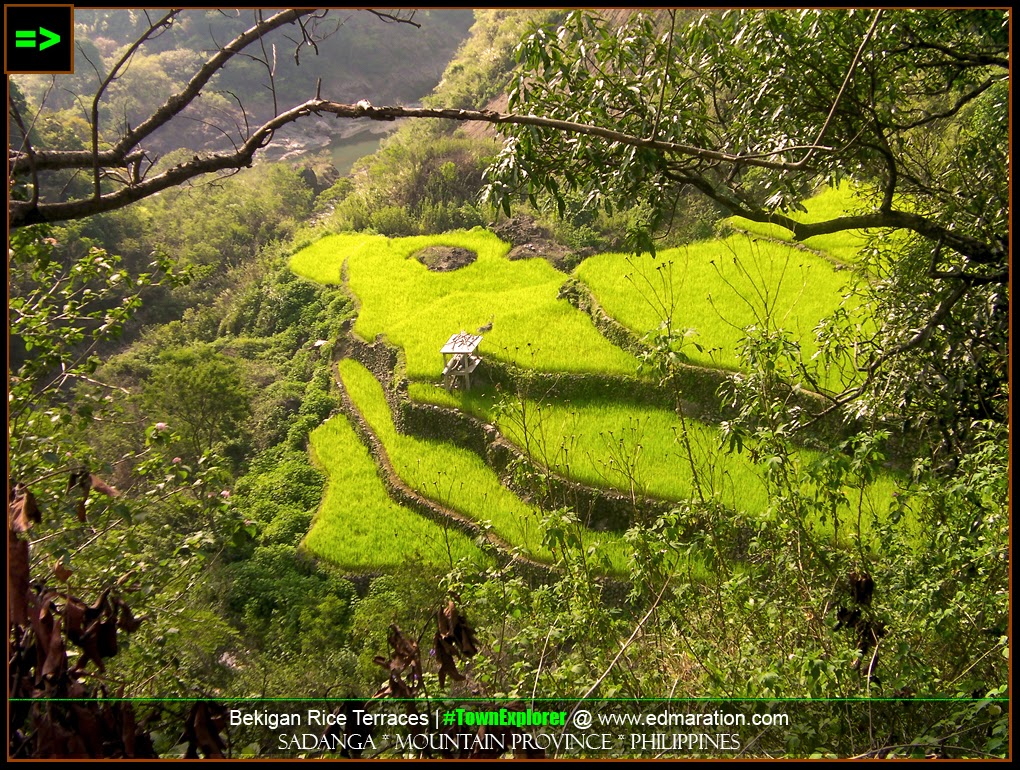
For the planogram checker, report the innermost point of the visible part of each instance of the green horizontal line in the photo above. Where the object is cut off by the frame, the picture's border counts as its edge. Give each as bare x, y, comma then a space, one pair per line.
485, 700
24, 33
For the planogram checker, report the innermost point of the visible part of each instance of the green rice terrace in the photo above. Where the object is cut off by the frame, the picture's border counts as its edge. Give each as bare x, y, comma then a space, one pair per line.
560, 389
383, 535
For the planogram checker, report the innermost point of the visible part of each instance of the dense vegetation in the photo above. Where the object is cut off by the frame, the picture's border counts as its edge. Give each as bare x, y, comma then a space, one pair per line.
190, 513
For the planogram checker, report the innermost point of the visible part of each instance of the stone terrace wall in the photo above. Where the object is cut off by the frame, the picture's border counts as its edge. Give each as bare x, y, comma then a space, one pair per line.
409, 498
375, 355
597, 508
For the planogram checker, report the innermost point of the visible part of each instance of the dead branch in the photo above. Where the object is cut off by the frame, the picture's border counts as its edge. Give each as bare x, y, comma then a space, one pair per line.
25, 213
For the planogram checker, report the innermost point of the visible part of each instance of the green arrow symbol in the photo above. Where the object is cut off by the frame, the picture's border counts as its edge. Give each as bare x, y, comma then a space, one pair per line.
52, 38
25, 38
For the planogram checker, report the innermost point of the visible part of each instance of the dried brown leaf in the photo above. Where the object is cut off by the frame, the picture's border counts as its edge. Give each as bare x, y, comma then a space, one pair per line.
62, 573
56, 740
74, 618
80, 482
405, 651
127, 621
862, 587
17, 580
404, 656
52, 643
89, 643
137, 741
106, 634
90, 728
102, 487
447, 665
456, 630
78, 479
96, 631
22, 509
444, 618
466, 640
202, 731
102, 605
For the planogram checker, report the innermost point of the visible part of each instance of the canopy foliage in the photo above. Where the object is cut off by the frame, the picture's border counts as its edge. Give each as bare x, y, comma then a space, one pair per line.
756, 109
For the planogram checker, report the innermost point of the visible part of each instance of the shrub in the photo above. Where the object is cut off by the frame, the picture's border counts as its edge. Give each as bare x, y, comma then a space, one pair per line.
393, 221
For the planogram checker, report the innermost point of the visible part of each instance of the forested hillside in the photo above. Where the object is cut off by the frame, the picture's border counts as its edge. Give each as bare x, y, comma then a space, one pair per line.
364, 58
736, 428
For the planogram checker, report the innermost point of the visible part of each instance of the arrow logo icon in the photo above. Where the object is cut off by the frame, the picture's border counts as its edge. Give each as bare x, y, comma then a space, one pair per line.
26, 38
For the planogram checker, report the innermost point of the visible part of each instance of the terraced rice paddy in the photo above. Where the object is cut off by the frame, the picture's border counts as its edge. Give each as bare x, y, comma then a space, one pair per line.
359, 527
637, 449
710, 292
418, 309
460, 480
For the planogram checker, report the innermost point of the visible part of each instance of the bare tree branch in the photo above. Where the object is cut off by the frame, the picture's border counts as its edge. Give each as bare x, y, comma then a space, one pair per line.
23, 213
114, 72
171, 108
394, 18
973, 248
979, 252
960, 104
58, 160
846, 82
966, 58
27, 148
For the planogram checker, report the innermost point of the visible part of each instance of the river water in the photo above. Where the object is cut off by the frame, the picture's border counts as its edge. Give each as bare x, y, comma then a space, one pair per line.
345, 152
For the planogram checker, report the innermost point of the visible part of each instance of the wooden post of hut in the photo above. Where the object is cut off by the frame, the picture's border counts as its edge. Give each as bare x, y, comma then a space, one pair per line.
460, 359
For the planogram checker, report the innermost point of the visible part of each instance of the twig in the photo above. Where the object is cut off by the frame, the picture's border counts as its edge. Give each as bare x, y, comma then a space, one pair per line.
624, 647
846, 82
541, 660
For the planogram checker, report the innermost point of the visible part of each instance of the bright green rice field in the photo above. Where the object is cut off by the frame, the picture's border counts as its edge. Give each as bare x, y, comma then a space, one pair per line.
359, 527
636, 448
710, 290
418, 309
459, 479
717, 289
